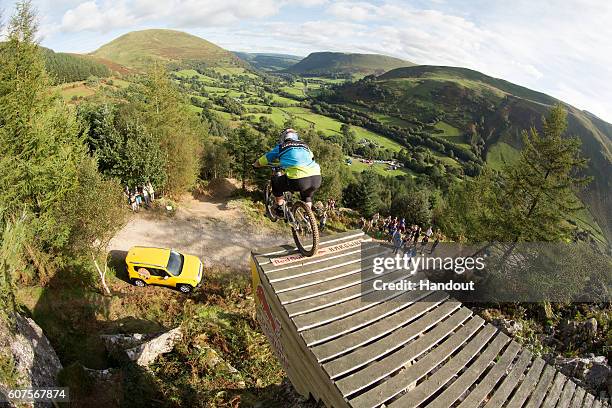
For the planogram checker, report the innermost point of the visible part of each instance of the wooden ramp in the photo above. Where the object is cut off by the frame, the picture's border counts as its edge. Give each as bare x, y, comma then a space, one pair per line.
407, 350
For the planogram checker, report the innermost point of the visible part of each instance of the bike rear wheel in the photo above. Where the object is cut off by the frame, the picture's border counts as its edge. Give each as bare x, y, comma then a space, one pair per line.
269, 203
305, 229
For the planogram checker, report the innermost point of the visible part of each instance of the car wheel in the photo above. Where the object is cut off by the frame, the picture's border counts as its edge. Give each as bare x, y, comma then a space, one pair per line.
139, 282
185, 288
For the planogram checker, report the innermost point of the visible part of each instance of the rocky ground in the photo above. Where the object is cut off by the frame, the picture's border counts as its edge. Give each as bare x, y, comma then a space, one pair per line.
577, 339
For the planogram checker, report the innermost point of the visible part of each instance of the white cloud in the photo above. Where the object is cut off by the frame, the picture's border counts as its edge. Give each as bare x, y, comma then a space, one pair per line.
103, 16
90, 16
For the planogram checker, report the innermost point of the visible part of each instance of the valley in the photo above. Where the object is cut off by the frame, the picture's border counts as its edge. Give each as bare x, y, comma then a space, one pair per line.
152, 140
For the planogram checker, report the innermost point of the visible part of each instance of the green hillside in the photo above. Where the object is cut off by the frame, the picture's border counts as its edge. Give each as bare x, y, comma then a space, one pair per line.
487, 111
269, 62
338, 63
64, 67
138, 49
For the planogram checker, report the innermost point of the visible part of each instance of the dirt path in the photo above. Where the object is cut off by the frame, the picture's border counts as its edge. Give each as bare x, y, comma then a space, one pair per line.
208, 229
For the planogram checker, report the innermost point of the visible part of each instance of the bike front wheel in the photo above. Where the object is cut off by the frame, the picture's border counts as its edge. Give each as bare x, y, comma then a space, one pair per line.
269, 203
305, 229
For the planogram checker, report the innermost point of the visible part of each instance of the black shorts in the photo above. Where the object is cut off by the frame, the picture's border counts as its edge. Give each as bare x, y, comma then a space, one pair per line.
306, 186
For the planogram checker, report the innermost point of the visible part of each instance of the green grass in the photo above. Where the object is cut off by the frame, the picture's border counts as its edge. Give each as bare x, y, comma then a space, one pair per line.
294, 90
448, 129
500, 154
327, 125
234, 71
283, 100
80, 90
446, 160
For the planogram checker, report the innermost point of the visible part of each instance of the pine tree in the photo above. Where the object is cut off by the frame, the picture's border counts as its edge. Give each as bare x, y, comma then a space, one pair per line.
245, 146
363, 194
539, 187
531, 199
180, 133
43, 164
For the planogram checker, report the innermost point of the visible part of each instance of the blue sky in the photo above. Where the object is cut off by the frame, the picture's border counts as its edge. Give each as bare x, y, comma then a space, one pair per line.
563, 48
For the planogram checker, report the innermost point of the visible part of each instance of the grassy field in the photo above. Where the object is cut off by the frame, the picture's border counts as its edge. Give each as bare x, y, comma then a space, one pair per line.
78, 89
446, 160
500, 154
379, 168
327, 124
390, 120
448, 129
303, 117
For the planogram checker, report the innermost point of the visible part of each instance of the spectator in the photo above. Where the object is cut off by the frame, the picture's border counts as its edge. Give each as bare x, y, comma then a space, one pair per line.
150, 190
146, 196
425, 239
396, 238
438, 237
416, 234
323, 221
133, 202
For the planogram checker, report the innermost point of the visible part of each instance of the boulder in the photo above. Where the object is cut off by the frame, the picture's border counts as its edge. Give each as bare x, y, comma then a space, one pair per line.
36, 364
592, 371
508, 325
142, 349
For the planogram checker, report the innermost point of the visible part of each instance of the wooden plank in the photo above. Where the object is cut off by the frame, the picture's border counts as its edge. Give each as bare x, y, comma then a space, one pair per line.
301, 367
578, 398
392, 362
307, 265
448, 397
500, 396
340, 308
555, 391
539, 393
370, 352
329, 273
340, 296
485, 386
355, 321
371, 332
357, 277
588, 400
316, 264
262, 255
528, 384
567, 394
430, 386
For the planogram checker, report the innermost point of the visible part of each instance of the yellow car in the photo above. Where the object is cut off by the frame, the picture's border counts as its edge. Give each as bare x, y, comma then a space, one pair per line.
164, 267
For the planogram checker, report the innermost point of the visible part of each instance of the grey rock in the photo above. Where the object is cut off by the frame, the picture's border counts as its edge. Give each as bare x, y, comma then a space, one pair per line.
508, 325
147, 352
142, 349
36, 363
597, 375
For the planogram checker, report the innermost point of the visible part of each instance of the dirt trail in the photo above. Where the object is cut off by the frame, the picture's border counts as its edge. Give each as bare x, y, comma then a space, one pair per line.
209, 229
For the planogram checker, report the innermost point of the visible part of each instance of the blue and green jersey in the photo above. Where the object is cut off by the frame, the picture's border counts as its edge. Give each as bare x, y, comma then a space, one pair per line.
294, 157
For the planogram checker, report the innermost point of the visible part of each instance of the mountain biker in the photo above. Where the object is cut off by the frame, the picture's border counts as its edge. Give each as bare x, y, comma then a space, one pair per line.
302, 173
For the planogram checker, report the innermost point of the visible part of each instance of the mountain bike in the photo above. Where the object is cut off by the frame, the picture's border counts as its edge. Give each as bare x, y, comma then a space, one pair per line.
297, 214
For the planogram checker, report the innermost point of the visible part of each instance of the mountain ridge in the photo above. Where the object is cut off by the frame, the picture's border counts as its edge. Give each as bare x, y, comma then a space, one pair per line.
487, 111
334, 63
138, 49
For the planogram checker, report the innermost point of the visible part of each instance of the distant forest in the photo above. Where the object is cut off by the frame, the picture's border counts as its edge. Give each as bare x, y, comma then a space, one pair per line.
64, 67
